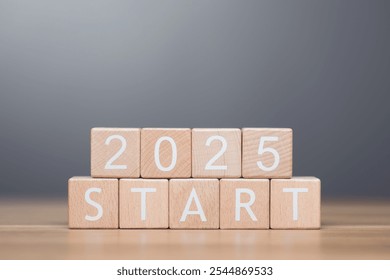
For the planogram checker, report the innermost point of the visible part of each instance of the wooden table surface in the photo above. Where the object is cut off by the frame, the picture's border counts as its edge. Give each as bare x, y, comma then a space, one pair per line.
351, 229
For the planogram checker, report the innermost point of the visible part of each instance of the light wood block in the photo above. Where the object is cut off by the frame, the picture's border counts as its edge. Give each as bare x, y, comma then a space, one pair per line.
115, 152
194, 203
92, 203
166, 153
244, 204
143, 203
267, 152
296, 203
216, 153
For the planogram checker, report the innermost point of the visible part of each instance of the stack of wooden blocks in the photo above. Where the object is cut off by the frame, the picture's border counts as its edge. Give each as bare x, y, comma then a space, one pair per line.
193, 179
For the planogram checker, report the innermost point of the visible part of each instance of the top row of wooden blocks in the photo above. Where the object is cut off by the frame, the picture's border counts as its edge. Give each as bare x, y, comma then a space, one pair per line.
186, 153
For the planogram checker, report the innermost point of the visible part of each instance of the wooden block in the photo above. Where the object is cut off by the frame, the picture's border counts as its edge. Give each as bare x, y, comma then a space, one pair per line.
244, 203
166, 153
296, 203
93, 203
267, 153
143, 203
194, 203
115, 152
216, 153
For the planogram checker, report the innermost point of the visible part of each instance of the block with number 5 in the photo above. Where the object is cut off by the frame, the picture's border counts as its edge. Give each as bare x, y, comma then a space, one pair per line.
267, 152
115, 152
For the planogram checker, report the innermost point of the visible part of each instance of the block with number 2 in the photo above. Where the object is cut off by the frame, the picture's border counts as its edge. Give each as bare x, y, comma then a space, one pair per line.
115, 152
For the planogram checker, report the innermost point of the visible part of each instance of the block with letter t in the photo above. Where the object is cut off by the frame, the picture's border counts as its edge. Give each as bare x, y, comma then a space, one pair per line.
143, 203
296, 203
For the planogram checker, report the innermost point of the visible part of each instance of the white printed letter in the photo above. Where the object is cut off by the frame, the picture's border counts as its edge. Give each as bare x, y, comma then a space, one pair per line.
143, 192
94, 204
295, 199
193, 196
245, 205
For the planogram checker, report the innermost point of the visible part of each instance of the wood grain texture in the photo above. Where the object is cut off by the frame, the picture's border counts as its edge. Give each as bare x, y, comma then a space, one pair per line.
203, 153
37, 229
101, 152
182, 139
107, 198
308, 214
250, 152
259, 207
156, 203
207, 191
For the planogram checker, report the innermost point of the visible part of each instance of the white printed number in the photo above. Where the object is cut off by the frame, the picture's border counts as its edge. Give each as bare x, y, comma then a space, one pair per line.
263, 150
157, 153
209, 165
109, 164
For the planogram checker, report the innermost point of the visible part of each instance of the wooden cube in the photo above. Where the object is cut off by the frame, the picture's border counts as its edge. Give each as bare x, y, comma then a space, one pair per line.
216, 153
194, 203
267, 152
296, 203
143, 203
166, 153
244, 203
115, 152
93, 203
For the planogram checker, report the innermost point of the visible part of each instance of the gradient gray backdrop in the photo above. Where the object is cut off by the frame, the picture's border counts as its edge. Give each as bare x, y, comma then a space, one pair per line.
320, 67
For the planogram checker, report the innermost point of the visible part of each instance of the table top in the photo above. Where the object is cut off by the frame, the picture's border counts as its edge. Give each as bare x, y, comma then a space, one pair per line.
351, 229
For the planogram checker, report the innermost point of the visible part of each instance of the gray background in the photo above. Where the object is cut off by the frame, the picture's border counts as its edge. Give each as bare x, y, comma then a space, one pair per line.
320, 67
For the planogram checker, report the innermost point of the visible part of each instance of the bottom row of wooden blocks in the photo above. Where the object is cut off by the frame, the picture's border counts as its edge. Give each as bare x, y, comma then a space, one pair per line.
195, 203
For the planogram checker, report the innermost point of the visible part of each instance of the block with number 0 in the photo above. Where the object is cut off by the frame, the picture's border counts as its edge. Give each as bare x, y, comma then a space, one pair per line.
267, 152
166, 153
115, 152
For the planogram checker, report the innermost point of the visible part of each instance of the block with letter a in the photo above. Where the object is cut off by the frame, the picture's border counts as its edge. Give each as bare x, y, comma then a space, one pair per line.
296, 203
194, 203
93, 203
244, 203
143, 203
